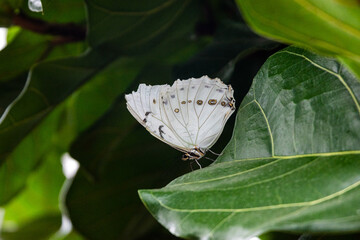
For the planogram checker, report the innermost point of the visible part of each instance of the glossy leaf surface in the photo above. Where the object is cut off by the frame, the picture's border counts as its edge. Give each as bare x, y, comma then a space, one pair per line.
275, 174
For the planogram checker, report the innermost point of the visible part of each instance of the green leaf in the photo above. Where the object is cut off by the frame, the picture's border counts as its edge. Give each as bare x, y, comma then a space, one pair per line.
320, 236
328, 26
71, 236
39, 97
14, 170
41, 195
292, 164
37, 100
232, 42
27, 47
136, 27
24, 51
58, 11
100, 138
95, 97
39, 229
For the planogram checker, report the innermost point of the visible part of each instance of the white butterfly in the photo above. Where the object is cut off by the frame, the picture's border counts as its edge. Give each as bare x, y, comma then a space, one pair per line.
189, 116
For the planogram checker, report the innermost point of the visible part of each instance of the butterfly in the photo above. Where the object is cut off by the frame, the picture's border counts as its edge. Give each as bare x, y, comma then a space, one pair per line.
189, 116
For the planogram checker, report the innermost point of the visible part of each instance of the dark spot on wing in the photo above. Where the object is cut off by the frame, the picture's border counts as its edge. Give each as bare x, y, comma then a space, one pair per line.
146, 115
207, 86
161, 132
212, 101
172, 96
181, 89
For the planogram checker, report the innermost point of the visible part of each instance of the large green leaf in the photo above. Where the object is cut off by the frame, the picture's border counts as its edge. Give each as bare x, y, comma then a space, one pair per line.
30, 48
35, 213
135, 27
328, 26
41, 195
292, 164
307, 236
233, 41
37, 100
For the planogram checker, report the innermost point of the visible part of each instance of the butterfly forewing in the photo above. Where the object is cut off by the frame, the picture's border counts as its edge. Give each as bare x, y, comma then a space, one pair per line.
147, 110
188, 115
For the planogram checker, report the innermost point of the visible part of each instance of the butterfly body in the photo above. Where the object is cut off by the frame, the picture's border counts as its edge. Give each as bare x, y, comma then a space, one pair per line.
189, 115
194, 154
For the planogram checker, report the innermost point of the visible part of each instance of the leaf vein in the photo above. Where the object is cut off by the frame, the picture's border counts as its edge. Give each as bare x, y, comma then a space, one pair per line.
268, 126
262, 208
330, 72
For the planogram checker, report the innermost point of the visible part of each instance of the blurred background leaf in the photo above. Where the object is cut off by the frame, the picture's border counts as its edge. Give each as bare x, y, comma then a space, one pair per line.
41, 228
328, 26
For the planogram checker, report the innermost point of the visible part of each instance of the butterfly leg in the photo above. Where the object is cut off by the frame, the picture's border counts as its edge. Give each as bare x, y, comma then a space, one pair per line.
191, 163
210, 159
217, 154
198, 163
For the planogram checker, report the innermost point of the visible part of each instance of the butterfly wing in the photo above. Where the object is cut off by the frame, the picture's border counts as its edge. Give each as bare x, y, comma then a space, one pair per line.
147, 106
191, 113
211, 106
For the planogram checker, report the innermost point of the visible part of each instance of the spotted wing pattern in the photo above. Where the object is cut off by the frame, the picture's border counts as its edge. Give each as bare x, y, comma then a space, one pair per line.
190, 113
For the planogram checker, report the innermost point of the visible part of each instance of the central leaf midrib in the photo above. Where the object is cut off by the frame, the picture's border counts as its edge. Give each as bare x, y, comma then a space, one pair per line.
262, 208
276, 159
